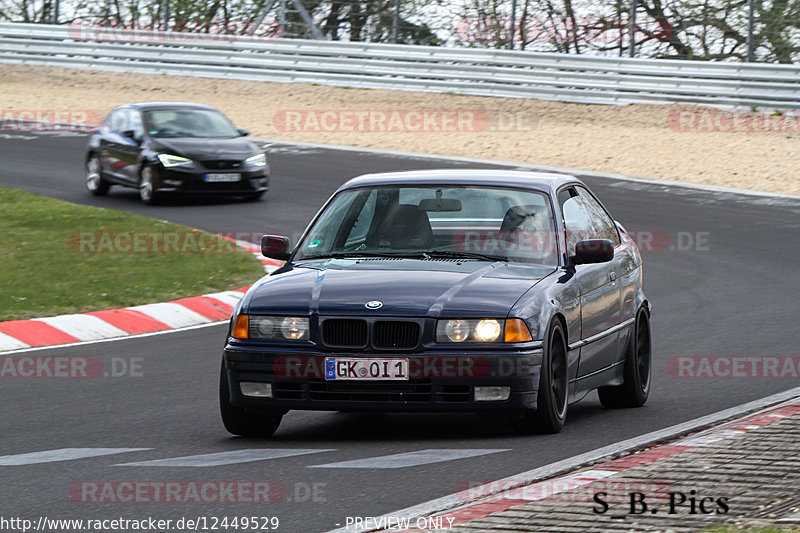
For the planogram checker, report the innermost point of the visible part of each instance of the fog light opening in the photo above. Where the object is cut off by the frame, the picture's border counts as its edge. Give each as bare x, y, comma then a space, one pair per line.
492, 394
256, 389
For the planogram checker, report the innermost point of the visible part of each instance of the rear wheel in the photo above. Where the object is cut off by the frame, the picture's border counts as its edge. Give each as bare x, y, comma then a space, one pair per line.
94, 177
242, 422
636, 385
147, 186
551, 403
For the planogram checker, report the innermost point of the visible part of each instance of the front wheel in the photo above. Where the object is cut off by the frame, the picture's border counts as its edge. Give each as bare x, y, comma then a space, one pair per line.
551, 403
94, 177
147, 186
238, 421
636, 385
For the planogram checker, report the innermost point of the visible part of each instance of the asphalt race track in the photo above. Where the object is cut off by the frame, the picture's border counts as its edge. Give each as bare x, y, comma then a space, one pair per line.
722, 274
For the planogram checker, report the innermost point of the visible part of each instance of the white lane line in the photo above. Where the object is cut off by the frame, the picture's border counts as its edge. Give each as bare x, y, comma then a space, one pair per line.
403, 460
62, 454
83, 327
227, 458
172, 314
7, 342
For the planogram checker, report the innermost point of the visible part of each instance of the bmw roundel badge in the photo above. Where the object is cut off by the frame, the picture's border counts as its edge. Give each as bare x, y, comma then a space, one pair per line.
374, 304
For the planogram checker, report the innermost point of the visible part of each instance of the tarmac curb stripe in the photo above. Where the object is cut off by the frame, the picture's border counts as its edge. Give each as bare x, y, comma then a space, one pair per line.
543, 490
118, 323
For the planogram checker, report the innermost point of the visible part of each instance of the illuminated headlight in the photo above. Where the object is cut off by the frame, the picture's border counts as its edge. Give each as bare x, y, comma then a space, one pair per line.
278, 328
169, 161
482, 330
259, 160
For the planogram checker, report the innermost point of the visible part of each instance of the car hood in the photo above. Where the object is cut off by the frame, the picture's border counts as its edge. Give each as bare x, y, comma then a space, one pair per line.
207, 149
468, 289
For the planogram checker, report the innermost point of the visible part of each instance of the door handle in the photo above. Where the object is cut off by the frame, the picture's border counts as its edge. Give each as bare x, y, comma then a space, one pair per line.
612, 276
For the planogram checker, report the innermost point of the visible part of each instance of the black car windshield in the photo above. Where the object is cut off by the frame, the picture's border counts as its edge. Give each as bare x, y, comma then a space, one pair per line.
202, 123
476, 223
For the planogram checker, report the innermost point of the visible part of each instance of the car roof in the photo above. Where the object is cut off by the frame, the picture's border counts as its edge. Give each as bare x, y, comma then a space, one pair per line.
540, 181
167, 105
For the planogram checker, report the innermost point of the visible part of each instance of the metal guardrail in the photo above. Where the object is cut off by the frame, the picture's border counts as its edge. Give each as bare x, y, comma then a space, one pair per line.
562, 77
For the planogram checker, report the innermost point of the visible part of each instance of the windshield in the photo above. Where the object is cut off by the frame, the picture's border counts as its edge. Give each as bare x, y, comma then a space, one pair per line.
204, 123
481, 223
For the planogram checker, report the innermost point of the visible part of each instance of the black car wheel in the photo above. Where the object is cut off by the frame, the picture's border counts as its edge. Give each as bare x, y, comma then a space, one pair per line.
147, 186
242, 422
551, 404
636, 386
94, 177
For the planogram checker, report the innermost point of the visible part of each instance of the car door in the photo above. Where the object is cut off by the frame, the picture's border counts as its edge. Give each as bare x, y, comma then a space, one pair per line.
131, 147
599, 289
113, 146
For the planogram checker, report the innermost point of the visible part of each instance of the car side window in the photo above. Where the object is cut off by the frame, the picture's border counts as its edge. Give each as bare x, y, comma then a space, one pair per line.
135, 123
577, 220
119, 120
604, 225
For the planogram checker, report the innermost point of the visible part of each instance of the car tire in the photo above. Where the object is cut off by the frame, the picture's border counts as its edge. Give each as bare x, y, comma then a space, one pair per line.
239, 421
147, 186
95, 182
637, 373
553, 395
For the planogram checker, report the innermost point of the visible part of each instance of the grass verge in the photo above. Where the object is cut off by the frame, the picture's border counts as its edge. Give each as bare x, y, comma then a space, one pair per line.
58, 258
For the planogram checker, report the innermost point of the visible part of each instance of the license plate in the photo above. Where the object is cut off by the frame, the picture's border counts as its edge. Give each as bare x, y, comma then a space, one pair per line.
223, 177
351, 368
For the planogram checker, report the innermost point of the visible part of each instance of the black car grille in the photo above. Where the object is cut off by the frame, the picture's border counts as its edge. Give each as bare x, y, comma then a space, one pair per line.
395, 335
344, 333
371, 392
385, 334
222, 164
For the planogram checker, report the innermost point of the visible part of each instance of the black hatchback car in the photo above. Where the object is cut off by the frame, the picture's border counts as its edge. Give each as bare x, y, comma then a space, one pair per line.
499, 292
169, 147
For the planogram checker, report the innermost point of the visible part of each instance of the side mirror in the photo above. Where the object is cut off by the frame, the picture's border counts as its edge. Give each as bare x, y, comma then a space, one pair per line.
131, 134
243, 133
593, 251
275, 247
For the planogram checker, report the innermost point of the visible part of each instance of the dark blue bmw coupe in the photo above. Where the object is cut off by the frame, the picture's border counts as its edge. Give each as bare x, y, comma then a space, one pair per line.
499, 292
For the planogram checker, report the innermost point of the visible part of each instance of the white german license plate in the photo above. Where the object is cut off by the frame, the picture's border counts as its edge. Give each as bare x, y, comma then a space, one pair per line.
356, 368
225, 177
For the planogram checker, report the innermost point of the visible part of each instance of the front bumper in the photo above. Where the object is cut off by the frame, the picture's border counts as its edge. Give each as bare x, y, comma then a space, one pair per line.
438, 381
190, 181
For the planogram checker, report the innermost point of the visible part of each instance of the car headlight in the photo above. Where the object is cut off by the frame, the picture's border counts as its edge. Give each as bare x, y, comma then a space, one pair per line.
169, 160
280, 328
482, 330
259, 160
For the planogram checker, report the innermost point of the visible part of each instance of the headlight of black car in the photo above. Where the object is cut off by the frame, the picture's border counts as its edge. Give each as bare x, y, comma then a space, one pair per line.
257, 161
484, 330
275, 328
171, 161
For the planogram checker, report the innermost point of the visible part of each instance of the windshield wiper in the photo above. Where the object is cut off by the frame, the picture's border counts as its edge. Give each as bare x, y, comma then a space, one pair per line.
455, 254
347, 255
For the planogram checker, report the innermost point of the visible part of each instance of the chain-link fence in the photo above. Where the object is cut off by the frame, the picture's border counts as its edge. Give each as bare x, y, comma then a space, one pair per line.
720, 30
